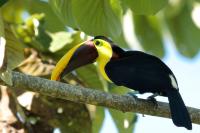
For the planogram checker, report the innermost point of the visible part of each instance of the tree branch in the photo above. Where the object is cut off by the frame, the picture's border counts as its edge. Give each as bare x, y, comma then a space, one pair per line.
80, 94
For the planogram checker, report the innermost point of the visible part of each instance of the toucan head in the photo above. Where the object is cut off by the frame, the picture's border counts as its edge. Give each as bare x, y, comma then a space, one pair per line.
100, 49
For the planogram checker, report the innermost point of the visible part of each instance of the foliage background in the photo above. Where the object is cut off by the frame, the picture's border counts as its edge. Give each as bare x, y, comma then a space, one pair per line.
38, 33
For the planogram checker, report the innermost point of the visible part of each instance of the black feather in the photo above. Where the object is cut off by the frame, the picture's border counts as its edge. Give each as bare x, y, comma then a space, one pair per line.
179, 112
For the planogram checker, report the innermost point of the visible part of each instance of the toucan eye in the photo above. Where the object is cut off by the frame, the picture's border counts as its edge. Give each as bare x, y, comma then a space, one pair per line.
97, 43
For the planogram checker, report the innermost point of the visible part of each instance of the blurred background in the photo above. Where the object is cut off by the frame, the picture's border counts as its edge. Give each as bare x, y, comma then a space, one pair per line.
39, 32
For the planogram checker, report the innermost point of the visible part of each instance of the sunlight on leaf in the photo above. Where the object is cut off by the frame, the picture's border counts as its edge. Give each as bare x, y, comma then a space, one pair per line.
59, 40
66, 40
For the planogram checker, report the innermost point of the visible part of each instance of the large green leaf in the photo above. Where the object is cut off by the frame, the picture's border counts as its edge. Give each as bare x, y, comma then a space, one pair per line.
13, 9
97, 122
14, 49
184, 32
90, 76
146, 7
52, 21
148, 32
63, 8
100, 17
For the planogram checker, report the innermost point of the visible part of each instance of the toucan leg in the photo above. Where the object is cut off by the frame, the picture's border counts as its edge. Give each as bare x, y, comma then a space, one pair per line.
152, 99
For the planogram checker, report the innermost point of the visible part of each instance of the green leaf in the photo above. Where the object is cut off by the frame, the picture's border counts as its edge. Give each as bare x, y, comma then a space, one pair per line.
124, 121
146, 7
59, 40
52, 21
174, 7
184, 32
14, 49
42, 41
2, 2
12, 11
120, 41
90, 76
63, 8
1, 25
97, 122
148, 33
100, 17
118, 89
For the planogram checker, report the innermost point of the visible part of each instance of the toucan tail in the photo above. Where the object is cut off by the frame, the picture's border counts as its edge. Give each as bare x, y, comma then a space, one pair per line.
179, 112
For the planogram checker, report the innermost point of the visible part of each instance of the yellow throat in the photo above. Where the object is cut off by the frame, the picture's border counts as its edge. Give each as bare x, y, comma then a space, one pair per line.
105, 54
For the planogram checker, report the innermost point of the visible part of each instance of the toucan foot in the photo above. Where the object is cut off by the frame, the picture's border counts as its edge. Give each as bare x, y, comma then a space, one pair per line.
153, 100
132, 94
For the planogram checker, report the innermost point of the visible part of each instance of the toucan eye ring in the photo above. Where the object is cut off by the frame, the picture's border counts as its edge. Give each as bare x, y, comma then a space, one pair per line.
97, 43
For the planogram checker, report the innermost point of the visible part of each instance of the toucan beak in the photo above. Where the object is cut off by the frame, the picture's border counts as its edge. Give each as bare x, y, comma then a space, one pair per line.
80, 55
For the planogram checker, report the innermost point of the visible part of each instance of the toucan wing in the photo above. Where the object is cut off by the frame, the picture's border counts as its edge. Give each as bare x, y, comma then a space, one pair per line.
140, 71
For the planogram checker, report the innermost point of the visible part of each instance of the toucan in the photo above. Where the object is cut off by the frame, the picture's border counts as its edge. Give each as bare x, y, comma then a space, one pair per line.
136, 70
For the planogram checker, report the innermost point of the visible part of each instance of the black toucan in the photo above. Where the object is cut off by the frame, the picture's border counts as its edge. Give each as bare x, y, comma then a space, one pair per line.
133, 69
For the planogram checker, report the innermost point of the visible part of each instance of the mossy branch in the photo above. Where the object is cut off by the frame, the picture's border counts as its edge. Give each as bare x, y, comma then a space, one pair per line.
80, 94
